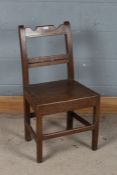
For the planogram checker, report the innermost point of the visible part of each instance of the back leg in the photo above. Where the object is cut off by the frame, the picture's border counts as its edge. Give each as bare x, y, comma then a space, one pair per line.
69, 120
95, 132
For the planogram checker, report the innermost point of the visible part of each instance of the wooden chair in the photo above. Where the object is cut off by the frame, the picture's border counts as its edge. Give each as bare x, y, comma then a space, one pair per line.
57, 96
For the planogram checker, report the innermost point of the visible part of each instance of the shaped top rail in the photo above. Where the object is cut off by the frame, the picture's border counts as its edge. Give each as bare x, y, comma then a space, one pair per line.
47, 30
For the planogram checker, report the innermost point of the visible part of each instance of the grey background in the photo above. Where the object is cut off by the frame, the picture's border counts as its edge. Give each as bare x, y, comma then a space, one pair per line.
94, 29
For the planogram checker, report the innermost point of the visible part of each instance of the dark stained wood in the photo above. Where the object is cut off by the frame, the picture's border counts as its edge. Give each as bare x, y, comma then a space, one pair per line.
24, 58
80, 119
39, 135
48, 60
95, 132
69, 120
32, 132
69, 50
68, 132
59, 91
58, 96
48, 30
27, 121
32, 115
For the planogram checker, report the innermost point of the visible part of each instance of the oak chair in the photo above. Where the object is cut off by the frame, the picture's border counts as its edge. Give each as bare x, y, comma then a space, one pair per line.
57, 96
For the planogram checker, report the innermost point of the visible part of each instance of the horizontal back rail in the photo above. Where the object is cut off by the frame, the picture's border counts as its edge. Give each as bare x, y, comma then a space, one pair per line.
48, 60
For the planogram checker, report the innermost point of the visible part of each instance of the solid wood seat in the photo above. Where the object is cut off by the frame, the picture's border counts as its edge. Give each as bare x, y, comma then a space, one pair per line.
58, 96
58, 93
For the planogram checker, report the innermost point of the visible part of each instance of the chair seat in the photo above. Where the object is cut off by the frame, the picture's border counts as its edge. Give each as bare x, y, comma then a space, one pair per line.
56, 92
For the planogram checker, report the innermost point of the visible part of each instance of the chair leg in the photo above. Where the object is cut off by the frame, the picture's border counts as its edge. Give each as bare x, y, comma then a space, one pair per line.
95, 132
27, 120
69, 120
39, 134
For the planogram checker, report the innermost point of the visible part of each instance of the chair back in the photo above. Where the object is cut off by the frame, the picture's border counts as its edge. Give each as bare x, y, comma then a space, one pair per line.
43, 31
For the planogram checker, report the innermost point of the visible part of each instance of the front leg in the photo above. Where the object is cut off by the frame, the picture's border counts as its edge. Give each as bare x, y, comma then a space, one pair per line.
27, 120
39, 135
